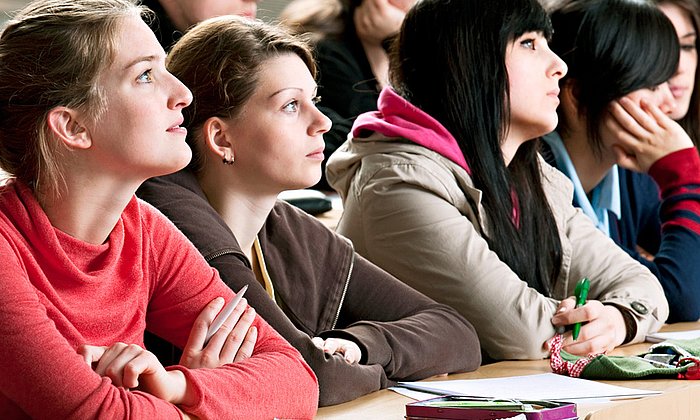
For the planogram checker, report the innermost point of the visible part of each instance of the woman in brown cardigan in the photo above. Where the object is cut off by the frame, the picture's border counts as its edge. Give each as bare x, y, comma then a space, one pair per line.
255, 131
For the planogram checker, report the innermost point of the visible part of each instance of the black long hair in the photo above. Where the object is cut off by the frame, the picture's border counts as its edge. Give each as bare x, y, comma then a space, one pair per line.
449, 61
612, 48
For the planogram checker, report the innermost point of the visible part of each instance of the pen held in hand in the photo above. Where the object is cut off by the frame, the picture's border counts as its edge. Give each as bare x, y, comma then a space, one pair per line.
224, 314
581, 293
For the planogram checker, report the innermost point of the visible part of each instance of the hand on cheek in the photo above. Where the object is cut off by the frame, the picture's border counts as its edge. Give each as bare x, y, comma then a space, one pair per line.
642, 134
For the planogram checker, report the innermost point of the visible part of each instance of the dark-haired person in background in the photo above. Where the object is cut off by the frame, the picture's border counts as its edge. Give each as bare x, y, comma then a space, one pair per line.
615, 128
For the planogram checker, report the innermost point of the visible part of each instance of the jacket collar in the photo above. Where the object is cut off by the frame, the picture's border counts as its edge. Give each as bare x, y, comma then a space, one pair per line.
396, 117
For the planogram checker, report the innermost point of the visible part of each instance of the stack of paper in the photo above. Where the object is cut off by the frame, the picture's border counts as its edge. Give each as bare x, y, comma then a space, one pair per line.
546, 386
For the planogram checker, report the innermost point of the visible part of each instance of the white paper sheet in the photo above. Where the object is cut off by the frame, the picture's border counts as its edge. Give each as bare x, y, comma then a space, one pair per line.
678, 335
412, 394
546, 386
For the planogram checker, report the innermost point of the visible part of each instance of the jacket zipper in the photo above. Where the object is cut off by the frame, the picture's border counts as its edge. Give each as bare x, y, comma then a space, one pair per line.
345, 289
233, 251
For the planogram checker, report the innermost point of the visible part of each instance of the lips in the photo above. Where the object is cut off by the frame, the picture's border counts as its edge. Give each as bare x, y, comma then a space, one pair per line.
317, 153
554, 93
177, 127
677, 91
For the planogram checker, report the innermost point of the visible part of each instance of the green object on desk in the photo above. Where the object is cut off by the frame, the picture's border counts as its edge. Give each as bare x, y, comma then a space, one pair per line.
636, 367
581, 293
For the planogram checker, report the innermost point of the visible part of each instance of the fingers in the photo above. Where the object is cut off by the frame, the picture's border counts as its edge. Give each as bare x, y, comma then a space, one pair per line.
572, 315
91, 354
633, 118
377, 19
217, 341
585, 345
246, 350
348, 349
234, 342
318, 342
124, 363
195, 341
564, 306
605, 331
626, 160
642, 134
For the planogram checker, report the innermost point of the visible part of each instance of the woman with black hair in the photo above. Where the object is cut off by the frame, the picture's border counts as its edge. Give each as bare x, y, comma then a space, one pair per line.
443, 186
351, 39
635, 171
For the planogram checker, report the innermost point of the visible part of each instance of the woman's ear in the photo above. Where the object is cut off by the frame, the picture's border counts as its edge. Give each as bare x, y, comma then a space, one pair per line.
217, 138
68, 128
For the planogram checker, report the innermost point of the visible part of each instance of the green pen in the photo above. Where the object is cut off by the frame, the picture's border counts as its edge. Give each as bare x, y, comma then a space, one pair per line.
581, 292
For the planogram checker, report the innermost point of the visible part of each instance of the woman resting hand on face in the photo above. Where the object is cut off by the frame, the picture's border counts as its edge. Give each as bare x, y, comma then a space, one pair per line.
635, 170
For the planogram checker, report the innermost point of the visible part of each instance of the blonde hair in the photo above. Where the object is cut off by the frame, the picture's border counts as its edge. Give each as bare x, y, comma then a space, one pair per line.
51, 54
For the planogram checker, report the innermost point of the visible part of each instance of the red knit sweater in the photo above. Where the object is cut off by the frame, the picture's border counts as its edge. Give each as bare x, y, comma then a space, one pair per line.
58, 293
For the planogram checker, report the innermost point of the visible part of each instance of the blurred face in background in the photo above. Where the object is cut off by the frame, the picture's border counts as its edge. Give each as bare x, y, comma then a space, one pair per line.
186, 13
683, 82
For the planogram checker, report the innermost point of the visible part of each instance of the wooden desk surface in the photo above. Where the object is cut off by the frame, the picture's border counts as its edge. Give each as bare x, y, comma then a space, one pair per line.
680, 398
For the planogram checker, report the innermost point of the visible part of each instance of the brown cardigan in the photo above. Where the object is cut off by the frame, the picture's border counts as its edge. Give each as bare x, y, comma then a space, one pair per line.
323, 288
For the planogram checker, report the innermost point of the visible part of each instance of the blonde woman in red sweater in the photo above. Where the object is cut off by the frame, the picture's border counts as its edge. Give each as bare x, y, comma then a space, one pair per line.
88, 111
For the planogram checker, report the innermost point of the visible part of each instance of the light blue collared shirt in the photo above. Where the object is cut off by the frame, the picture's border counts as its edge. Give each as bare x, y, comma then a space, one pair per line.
605, 196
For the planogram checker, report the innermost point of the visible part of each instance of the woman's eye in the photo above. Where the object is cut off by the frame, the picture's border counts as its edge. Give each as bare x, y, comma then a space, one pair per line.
316, 100
145, 77
528, 43
292, 106
688, 47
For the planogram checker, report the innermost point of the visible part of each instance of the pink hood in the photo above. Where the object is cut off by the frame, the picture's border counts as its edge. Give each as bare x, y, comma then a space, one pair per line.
397, 117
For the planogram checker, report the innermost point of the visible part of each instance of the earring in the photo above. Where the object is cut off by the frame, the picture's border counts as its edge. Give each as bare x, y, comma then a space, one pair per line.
227, 160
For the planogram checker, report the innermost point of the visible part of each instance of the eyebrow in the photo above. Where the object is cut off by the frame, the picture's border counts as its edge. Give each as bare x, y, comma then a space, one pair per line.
148, 58
291, 88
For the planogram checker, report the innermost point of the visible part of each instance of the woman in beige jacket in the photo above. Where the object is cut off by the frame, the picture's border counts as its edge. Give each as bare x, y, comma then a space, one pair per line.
458, 204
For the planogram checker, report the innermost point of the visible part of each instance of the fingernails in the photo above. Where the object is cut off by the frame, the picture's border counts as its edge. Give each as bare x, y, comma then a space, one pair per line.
561, 310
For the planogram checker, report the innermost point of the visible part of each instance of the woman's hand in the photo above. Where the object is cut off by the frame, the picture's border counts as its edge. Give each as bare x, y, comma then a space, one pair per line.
233, 342
348, 349
644, 134
133, 367
376, 20
605, 328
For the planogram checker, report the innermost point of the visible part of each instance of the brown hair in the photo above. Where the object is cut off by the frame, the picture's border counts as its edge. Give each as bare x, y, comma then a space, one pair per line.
219, 60
316, 18
51, 54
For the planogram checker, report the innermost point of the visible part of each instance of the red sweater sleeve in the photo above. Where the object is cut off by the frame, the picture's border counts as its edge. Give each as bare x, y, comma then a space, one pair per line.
41, 375
274, 382
678, 177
